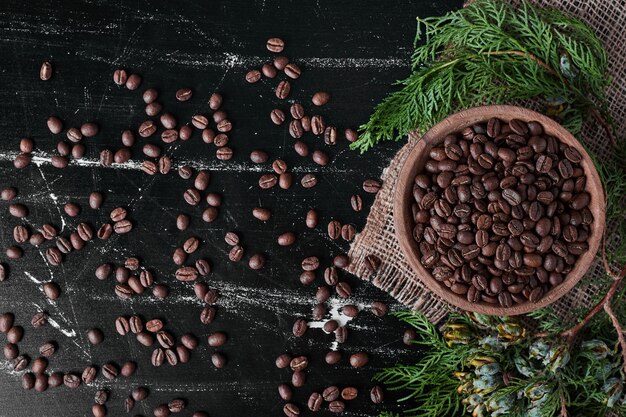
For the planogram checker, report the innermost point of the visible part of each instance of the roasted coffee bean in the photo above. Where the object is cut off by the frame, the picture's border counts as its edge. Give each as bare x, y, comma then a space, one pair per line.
319, 310
341, 261
283, 89
269, 70
210, 214
348, 232
95, 336
277, 116
308, 181
283, 360
379, 309
376, 395
297, 111
258, 156
330, 135
298, 378
219, 360
186, 273
51, 290
334, 229
310, 263
236, 253
285, 180
307, 277
22, 160
268, 181
343, 289
224, 153
311, 219
207, 315
315, 401
292, 71
318, 125
301, 148
371, 186
320, 98
349, 393
158, 357
291, 410
71, 380
275, 45
306, 123
253, 76
299, 327
286, 239
16, 252
372, 263
217, 339
214, 199
322, 295
262, 214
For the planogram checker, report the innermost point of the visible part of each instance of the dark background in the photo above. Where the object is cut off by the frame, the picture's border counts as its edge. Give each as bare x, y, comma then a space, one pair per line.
354, 50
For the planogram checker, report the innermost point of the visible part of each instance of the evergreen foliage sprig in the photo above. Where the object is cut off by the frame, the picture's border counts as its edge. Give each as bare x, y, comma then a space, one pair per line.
490, 366
489, 53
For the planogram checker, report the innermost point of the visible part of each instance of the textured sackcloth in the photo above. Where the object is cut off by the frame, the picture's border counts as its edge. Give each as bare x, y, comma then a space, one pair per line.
395, 276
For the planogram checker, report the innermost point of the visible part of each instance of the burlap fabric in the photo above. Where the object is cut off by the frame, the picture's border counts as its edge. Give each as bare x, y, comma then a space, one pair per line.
395, 276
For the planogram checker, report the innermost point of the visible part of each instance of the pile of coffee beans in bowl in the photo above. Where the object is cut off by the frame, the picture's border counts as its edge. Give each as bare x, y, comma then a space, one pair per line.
501, 213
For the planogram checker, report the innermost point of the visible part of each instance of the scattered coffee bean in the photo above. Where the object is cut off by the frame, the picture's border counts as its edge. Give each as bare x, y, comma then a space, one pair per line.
286, 239
275, 45
283, 89
376, 395
95, 336
299, 327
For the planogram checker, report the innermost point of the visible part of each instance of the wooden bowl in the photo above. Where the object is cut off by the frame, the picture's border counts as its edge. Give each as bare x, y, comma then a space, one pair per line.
414, 164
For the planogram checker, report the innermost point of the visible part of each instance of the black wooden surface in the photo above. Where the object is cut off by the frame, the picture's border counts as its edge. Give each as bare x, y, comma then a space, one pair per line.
355, 51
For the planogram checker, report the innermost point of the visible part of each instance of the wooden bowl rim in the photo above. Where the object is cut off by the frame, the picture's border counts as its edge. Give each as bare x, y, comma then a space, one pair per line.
404, 189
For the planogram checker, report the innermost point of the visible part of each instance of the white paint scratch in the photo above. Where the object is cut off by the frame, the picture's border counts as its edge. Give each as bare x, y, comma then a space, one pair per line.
42, 158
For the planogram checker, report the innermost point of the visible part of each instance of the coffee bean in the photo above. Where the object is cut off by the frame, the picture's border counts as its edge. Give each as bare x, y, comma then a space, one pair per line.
291, 410
277, 116
286, 239
256, 261
298, 379
376, 394
341, 261
268, 181
217, 339
371, 186
337, 406
22, 160
186, 274
311, 219
343, 289
133, 82
285, 392
207, 315
308, 181
379, 309
275, 45
299, 327
219, 360
318, 125
95, 336
315, 401
55, 125
41, 383
158, 357
183, 94
292, 71
236, 253
306, 124
71, 380
307, 277
330, 393
262, 214
283, 360
283, 89
51, 290
347, 232
334, 229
